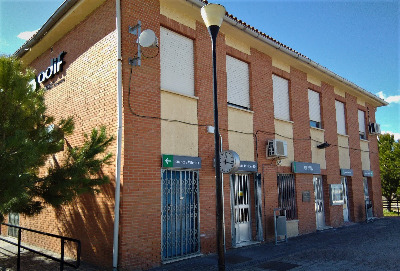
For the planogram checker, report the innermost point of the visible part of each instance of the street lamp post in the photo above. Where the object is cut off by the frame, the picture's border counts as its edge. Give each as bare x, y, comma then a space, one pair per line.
213, 16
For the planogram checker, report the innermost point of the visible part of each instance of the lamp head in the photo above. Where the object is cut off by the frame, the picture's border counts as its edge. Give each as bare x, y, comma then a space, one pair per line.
213, 14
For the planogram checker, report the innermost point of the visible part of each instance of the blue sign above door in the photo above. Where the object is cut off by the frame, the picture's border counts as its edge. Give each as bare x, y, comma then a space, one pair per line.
308, 168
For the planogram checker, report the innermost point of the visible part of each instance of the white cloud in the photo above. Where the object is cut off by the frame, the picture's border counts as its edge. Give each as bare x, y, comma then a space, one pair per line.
27, 34
389, 99
396, 135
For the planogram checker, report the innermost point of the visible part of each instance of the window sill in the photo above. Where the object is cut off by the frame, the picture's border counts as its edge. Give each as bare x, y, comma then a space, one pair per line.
343, 135
364, 140
180, 94
318, 129
288, 121
241, 109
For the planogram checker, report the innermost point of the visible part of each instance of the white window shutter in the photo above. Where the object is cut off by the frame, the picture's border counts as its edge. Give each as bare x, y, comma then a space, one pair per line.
340, 118
361, 121
281, 97
177, 62
314, 106
237, 73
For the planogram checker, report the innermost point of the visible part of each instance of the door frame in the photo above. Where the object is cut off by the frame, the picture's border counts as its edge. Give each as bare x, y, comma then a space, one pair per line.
345, 181
320, 204
179, 211
233, 224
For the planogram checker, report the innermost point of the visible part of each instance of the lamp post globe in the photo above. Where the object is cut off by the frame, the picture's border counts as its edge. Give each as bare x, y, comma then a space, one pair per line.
213, 14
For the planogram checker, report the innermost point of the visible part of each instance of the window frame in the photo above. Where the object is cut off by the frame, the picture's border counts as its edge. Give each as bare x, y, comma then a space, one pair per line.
238, 82
363, 134
341, 129
279, 103
177, 65
315, 123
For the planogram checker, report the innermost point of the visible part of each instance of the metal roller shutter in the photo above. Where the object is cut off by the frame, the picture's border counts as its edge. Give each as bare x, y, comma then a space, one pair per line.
361, 122
340, 119
237, 73
314, 106
281, 97
177, 62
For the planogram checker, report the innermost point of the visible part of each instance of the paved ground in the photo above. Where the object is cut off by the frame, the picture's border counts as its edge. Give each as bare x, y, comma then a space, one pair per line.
363, 246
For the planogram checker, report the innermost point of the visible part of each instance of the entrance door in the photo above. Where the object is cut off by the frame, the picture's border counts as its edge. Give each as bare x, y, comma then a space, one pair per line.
240, 202
346, 214
13, 219
368, 203
319, 203
180, 214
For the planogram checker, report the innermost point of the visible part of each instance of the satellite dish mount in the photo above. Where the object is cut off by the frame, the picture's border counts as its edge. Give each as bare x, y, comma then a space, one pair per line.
147, 39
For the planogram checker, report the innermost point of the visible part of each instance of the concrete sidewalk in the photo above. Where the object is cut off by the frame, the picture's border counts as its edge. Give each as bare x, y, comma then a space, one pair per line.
361, 246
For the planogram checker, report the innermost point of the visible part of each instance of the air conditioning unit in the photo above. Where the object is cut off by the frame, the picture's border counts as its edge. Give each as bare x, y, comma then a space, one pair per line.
276, 148
374, 128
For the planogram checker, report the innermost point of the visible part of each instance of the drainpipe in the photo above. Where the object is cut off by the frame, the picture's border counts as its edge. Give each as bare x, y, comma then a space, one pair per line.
119, 136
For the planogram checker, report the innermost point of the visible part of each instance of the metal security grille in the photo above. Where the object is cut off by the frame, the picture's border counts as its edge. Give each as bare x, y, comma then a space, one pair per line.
240, 196
287, 195
319, 202
180, 214
346, 215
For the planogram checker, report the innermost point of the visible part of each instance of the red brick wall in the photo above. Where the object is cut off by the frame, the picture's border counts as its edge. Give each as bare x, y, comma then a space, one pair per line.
375, 187
89, 95
298, 94
357, 204
333, 214
140, 230
264, 129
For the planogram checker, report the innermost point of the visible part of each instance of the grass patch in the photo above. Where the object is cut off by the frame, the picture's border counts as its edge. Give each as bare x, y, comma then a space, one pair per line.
387, 213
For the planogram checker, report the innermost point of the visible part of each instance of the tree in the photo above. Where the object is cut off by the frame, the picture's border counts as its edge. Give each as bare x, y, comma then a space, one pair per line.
389, 164
34, 171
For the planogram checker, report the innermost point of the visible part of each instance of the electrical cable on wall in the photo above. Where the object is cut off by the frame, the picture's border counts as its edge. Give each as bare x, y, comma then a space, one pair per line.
228, 130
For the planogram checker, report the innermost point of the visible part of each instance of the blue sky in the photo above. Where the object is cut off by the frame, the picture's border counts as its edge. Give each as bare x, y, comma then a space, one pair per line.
359, 40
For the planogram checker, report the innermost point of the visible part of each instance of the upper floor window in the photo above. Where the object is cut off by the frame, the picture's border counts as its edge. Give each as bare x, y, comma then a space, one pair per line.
340, 118
177, 62
361, 124
314, 109
237, 74
281, 97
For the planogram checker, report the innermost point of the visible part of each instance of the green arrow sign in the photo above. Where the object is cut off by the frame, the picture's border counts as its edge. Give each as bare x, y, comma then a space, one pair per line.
167, 160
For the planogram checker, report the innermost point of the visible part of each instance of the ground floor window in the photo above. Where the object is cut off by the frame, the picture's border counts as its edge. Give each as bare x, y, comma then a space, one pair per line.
180, 214
13, 219
287, 195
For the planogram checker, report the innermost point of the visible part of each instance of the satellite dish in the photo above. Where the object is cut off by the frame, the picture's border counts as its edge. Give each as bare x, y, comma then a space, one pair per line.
148, 38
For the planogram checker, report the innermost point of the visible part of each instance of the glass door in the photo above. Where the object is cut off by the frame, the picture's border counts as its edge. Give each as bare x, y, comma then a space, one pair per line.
240, 200
319, 202
346, 213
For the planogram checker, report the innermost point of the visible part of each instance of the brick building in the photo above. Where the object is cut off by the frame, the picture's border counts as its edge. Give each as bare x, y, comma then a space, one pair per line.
277, 108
